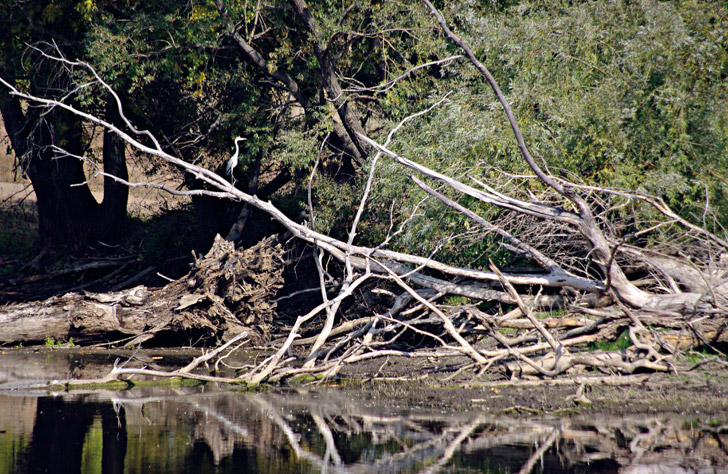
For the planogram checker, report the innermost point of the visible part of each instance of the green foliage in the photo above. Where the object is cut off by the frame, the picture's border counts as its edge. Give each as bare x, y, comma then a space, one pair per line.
51, 343
164, 58
622, 342
609, 93
613, 92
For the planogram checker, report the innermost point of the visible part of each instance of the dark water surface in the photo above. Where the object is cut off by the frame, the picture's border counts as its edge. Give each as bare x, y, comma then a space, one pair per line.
208, 429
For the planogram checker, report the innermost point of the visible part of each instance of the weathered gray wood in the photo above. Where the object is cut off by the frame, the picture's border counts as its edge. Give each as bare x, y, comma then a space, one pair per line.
228, 292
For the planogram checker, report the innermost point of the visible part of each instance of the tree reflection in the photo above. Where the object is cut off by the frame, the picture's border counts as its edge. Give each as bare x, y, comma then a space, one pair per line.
61, 437
335, 431
194, 430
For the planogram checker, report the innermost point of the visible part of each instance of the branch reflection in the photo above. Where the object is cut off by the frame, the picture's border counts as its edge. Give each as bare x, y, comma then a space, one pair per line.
334, 430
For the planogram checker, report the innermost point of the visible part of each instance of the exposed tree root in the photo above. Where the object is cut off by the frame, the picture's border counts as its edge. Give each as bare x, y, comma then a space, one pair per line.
228, 292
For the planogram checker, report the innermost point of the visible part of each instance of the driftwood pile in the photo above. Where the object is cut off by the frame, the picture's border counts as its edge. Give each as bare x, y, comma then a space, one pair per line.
508, 326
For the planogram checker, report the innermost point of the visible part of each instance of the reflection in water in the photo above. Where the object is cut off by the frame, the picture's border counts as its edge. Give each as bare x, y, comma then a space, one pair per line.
203, 430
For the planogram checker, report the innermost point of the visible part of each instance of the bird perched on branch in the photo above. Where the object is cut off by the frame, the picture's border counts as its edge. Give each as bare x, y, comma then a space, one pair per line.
233, 161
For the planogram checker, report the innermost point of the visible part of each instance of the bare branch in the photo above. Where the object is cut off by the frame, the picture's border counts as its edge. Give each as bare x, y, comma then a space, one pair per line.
504, 103
389, 84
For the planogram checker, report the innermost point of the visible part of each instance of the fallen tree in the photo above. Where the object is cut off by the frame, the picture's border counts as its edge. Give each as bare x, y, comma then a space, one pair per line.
198, 307
682, 303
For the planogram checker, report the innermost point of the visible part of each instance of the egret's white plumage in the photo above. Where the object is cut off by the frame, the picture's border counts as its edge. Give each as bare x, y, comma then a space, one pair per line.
233, 161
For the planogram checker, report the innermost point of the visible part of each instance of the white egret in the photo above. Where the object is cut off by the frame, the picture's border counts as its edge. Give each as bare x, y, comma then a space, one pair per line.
233, 161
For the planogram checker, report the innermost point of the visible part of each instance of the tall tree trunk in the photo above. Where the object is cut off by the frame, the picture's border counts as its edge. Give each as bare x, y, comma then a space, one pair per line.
116, 194
68, 214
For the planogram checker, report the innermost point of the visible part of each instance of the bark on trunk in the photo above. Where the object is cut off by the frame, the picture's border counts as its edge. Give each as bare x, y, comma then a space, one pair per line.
116, 194
68, 215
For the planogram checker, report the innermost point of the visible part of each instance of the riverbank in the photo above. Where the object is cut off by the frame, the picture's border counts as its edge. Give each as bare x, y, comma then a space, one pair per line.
701, 392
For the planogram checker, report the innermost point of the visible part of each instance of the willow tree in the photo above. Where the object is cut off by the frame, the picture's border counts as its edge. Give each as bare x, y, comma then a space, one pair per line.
282, 74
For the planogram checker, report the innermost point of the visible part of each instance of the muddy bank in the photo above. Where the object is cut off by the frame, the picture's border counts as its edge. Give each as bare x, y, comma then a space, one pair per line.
701, 393
703, 399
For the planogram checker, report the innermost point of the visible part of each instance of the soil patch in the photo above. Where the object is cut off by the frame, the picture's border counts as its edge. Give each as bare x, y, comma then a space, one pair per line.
701, 394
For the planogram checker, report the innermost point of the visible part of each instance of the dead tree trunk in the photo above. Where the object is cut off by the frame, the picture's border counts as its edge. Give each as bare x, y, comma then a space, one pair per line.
697, 316
228, 292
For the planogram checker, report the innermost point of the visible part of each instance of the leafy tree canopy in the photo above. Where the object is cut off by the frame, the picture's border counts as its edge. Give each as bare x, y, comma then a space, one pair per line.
619, 93
614, 93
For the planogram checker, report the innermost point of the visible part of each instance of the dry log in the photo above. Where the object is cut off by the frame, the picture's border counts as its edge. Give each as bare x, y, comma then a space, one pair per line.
228, 292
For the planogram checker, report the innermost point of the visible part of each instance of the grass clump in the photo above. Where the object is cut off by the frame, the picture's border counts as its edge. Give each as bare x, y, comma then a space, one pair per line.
622, 342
